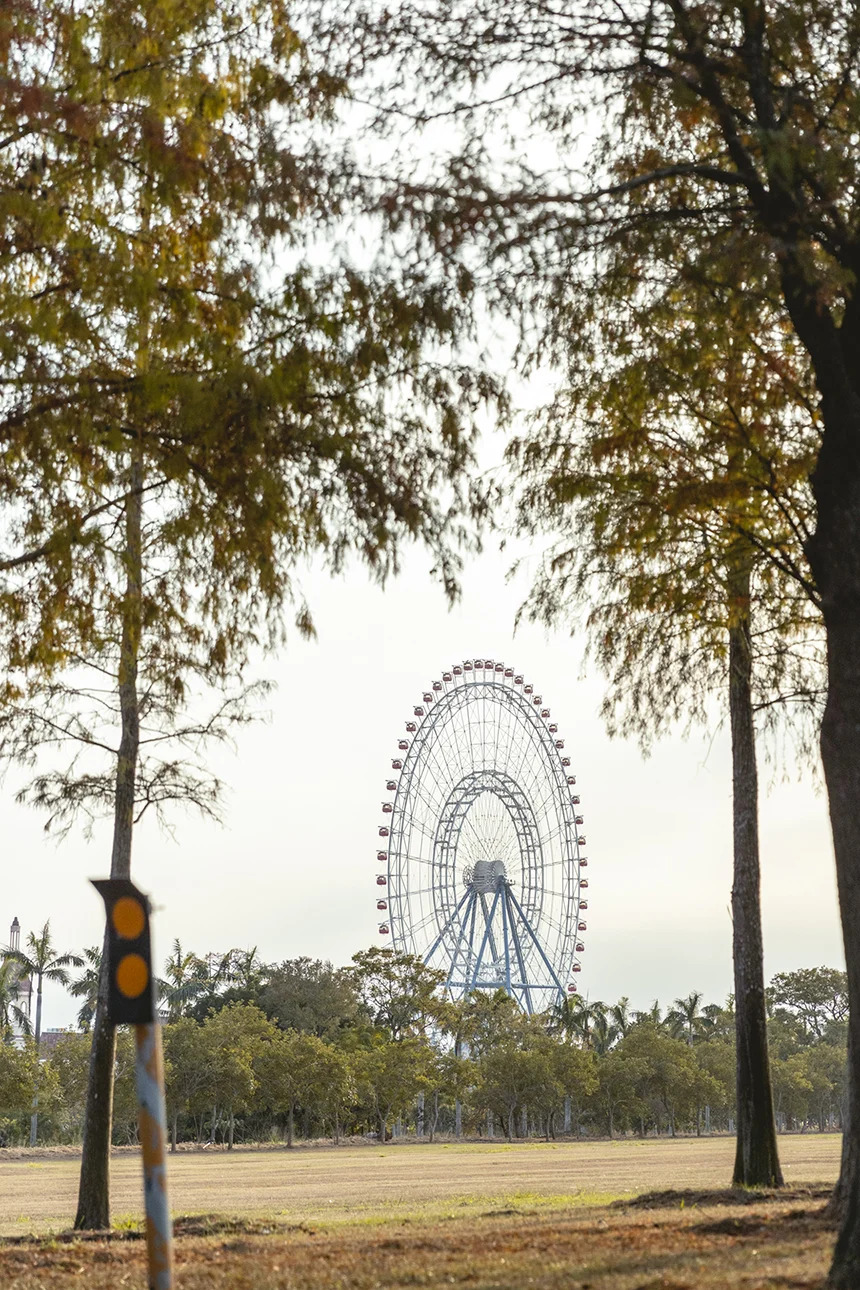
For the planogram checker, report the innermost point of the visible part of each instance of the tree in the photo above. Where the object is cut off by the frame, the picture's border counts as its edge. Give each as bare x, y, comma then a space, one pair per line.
818, 997
42, 962
86, 986
234, 1040
714, 126
175, 460
398, 992
310, 995
187, 1075
389, 1075
183, 982
684, 1018
18, 1074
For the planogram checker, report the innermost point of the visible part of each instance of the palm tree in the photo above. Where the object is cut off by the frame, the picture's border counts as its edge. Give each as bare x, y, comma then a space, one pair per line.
185, 978
653, 1014
620, 1014
685, 1018
11, 1012
603, 1032
41, 962
86, 986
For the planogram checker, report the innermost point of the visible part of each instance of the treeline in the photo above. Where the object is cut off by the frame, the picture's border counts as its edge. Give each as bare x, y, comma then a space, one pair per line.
305, 1049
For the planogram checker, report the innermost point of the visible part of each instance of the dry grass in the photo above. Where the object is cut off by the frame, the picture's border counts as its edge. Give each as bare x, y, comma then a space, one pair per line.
38, 1193
763, 1244
477, 1216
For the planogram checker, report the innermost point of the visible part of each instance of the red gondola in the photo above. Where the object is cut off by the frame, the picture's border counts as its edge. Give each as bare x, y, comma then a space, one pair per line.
446, 676
559, 743
583, 904
391, 785
382, 904
583, 861
381, 857
381, 880
577, 967
383, 830
527, 689
537, 700
383, 929
571, 779
565, 761
574, 797
583, 882
582, 927
467, 667
428, 697
419, 712
437, 685
571, 989
518, 680
553, 728
580, 948
387, 808
397, 764
544, 712
403, 744
411, 727
500, 667
509, 671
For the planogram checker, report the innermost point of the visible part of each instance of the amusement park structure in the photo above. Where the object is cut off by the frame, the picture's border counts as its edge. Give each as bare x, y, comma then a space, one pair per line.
481, 847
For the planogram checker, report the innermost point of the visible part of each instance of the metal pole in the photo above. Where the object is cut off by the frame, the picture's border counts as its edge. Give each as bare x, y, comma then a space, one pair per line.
519, 952
527, 925
149, 1076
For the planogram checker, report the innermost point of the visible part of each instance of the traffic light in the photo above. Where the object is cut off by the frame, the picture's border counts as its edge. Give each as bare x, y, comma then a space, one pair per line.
131, 994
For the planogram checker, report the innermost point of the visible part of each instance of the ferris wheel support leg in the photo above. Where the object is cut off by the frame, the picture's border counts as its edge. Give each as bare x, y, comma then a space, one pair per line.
518, 950
479, 960
438, 941
489, 918
463, 927
506, 935
537, 944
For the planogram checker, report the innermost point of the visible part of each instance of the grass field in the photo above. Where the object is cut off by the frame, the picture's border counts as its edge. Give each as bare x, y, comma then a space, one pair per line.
479, 1215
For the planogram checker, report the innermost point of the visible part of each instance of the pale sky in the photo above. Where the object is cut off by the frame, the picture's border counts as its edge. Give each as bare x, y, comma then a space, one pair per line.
292, 872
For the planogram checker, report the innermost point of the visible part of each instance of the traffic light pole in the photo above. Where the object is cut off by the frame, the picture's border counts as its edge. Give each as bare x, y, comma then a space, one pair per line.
131, 1001
149, 1075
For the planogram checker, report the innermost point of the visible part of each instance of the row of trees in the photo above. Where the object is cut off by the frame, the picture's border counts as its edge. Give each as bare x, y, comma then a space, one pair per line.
258, 1049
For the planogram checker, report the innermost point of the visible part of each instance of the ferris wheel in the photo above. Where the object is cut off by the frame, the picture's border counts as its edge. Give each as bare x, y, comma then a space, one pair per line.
482, 842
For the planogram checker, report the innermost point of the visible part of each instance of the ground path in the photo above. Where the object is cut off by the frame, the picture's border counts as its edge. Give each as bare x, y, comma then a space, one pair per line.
38, 1193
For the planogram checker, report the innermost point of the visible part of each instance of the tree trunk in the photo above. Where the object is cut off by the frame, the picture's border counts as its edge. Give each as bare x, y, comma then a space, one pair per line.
419, 1116
458, 1118
756, 1156
173, 1132
567, 1115
230, 1131
290, 1124
94, 1190
837, 1205
34, 1118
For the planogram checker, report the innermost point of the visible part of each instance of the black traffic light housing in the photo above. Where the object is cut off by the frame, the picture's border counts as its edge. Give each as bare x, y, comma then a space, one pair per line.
131, 985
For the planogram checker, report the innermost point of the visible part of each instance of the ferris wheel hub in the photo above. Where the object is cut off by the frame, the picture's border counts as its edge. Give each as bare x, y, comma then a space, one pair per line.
485, 875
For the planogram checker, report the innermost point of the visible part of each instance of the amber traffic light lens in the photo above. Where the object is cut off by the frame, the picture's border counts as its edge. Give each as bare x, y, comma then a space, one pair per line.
132, 976
129, 918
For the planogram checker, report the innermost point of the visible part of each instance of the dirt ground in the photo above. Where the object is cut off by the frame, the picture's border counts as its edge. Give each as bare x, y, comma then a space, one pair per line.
671, 1241
38, 1191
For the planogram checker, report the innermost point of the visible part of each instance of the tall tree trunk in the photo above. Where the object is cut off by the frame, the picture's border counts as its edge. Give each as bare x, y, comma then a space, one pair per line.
290, 1125
756, 1156
34, 1118
94, 1190
835, 557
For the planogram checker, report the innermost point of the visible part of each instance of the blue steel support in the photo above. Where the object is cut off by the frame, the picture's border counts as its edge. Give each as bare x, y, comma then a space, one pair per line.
459, 941
537, 943
438, 941
519, 953
486, 936
507, 941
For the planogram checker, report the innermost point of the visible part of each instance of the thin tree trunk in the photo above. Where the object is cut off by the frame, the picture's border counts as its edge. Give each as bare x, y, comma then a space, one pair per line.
173, 1132
837, 1205
756, 1155
94, 1190
34, 1118
230, 1131
290, 1125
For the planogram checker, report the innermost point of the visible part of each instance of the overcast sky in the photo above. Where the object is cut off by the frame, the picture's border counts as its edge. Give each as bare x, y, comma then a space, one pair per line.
292, 872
